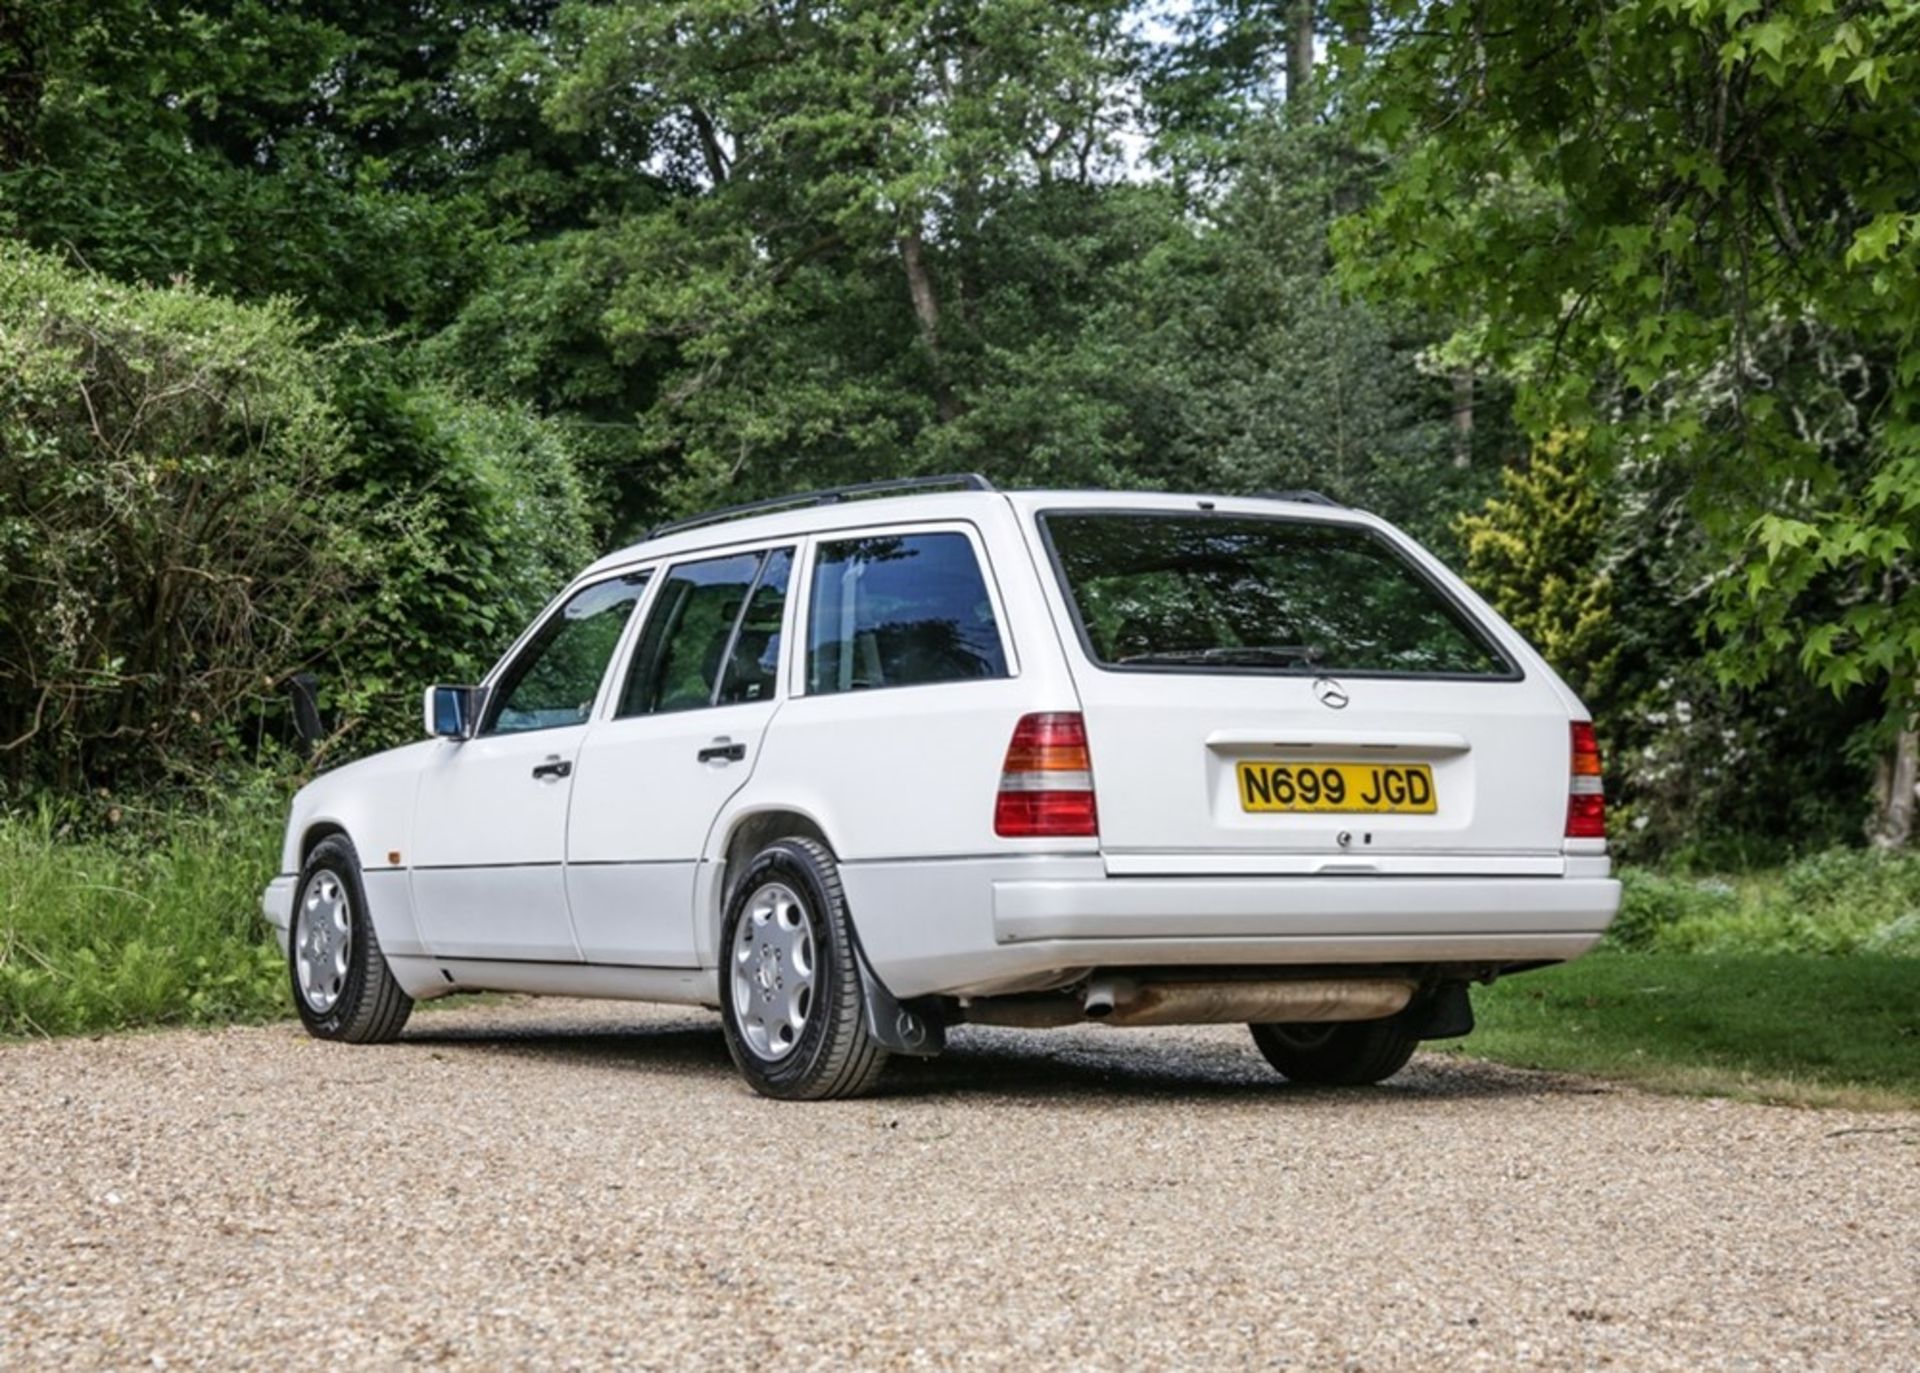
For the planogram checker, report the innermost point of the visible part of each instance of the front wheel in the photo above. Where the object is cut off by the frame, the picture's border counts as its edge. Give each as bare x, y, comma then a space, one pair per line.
1349, 1053
342, 986
789, 989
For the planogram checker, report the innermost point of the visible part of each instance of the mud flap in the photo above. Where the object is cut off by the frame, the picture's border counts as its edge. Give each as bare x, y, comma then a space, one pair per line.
1444, 1013
900, 1028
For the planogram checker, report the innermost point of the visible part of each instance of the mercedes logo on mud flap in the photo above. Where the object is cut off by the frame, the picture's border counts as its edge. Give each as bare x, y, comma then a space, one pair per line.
1330, 693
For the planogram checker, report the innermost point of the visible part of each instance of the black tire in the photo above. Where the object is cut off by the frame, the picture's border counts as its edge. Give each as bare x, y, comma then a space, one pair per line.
1350, 1053
368, 1006
833, 1056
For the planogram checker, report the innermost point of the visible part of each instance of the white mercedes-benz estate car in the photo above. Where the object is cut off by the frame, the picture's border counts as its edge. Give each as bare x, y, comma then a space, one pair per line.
858, 766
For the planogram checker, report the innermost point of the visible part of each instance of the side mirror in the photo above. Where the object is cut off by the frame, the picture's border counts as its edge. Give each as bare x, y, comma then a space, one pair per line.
452, 712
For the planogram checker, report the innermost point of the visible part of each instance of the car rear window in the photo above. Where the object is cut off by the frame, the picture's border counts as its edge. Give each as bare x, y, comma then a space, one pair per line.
1230, 593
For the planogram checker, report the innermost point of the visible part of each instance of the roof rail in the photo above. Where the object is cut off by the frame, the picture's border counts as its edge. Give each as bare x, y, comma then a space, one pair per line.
966, 481
1302, 497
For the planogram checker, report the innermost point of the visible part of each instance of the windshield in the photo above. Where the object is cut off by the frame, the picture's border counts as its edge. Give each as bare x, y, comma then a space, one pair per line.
1245, 593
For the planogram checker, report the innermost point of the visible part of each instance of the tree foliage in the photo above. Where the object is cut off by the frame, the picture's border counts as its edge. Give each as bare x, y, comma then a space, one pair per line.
825, 291
534, 273
1538, 551
1689, 229
361, 157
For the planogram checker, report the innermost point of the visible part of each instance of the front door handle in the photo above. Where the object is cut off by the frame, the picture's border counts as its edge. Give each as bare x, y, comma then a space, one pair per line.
552, 770
723, 751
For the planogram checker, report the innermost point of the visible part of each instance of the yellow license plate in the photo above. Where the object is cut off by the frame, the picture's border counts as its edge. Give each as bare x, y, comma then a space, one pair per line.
1361, 788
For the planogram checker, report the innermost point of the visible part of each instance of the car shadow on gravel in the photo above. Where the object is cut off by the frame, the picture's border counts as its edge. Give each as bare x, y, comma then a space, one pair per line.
1127, 1064
1048, 1065
672, 1048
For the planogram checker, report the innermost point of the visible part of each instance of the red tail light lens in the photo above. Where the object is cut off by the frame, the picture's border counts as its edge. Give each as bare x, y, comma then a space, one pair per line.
1045, 814
1046, 783
1586, 793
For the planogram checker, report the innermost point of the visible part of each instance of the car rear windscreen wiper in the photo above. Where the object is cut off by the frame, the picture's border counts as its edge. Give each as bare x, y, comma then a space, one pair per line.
1243, 655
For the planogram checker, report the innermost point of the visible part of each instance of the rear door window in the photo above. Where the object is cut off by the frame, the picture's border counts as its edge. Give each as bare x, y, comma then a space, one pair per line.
754, 660
1231, 593
891, 610
712, 635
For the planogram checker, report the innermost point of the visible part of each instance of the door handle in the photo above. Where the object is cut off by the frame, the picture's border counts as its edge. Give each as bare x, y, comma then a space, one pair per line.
552, 770
723, 751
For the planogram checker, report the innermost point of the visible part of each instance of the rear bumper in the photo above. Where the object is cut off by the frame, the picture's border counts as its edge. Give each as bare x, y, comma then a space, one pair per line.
1304, 908
988, 925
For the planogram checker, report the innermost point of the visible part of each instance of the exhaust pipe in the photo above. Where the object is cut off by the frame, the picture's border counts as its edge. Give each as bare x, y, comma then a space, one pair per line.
1105, 996
1119, 1001
1024, 1012
1124, 1001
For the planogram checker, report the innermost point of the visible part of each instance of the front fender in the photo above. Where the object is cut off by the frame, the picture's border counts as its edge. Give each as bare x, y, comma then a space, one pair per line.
371, 802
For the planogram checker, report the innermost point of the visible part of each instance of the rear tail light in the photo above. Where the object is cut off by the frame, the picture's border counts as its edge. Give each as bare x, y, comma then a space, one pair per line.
1586, 795
1046, 784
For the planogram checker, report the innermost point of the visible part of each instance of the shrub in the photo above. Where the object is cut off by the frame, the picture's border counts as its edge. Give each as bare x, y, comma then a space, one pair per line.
1897, 939
486, 518
1839, 902
171, 528
1873, 886
1652, 904
197, 502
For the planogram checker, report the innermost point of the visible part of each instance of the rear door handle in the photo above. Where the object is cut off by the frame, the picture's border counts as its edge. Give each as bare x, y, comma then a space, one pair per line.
552, 770
723, 751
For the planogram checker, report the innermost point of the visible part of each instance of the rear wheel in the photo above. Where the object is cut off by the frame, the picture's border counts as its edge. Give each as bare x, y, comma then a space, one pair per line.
789, 990
1341, 1054
341, 984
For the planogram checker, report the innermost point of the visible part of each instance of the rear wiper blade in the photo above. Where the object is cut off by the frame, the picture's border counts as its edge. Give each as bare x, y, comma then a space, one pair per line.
1255, 655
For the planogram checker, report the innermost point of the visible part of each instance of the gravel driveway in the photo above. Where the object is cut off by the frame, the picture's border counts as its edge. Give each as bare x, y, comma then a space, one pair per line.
573, 1184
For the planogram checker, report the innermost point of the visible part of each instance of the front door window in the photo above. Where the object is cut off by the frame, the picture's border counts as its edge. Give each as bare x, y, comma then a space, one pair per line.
557, 675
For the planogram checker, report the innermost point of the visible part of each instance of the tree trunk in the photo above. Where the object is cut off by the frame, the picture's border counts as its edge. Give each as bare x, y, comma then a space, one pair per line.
1463, 417
926, 310
1893, 792
710, 150
1300, 60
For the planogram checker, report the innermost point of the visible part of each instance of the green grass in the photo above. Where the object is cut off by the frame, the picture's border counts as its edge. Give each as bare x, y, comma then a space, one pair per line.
1777, 1027
153, 923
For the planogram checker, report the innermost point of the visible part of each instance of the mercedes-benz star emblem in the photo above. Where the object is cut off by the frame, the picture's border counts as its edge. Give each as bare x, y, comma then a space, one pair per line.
1330, 693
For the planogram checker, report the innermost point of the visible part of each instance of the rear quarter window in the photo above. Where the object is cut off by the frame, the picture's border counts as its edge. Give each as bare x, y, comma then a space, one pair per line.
894, 610
1229, 593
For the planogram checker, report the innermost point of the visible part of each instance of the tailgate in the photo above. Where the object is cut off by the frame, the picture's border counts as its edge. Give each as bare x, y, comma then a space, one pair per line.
1169, 781
1296, 695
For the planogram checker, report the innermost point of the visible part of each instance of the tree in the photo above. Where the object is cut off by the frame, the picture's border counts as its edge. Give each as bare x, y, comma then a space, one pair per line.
1231, 64
1273, 377
362, 157
1539, 552
820, 287
1691, 230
